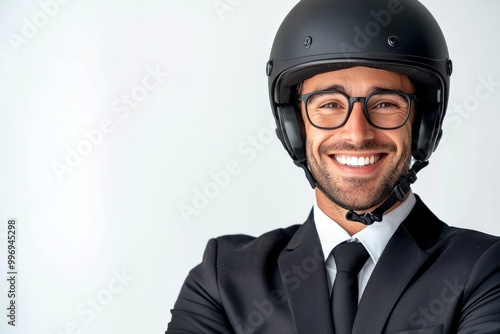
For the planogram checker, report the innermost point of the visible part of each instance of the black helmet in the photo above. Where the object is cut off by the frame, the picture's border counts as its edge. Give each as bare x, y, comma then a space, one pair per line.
324, 35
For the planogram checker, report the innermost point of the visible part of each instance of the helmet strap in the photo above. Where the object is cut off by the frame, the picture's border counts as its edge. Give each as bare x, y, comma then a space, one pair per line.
402, 187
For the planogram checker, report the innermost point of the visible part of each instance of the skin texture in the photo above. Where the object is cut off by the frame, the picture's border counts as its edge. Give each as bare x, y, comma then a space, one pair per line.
359, 188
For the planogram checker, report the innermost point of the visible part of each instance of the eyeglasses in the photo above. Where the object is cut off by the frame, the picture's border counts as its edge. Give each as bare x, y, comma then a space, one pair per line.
330, 109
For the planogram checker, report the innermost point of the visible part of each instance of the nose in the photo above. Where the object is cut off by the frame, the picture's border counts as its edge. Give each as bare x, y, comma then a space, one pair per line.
357, 130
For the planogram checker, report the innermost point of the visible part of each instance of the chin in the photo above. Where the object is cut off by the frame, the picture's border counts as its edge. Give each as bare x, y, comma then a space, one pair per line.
363, 201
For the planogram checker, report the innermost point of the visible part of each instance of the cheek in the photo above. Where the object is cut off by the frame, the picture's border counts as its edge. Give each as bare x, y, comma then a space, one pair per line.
316, 137
311, 142
403, 138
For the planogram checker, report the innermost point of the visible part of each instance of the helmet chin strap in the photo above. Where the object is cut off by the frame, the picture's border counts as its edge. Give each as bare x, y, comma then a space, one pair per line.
401, 188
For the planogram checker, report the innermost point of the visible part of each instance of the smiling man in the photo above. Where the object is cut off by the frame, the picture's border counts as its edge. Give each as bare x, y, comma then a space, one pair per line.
350, 150
359, 90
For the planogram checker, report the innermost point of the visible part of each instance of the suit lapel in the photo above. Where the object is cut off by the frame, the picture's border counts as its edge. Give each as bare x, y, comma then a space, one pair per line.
403, 256
305, 283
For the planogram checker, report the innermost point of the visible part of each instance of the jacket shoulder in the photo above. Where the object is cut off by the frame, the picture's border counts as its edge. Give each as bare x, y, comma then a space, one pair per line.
269, 242
432, 234
466, 240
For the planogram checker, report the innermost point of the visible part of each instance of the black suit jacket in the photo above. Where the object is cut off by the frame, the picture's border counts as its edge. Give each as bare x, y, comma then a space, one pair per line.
431, 278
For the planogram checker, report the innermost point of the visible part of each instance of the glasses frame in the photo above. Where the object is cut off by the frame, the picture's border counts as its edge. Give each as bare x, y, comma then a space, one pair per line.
351, 100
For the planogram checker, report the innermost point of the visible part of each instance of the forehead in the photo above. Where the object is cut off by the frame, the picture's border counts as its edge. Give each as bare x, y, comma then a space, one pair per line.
358, 80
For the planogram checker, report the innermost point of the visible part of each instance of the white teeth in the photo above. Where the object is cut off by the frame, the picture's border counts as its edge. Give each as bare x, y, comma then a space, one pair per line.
357, 162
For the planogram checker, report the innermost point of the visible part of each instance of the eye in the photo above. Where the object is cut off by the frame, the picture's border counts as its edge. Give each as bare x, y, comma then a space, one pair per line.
327, 102
385, 104
331, 105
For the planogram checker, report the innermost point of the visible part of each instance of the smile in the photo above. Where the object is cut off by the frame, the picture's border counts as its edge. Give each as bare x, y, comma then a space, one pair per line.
357, 161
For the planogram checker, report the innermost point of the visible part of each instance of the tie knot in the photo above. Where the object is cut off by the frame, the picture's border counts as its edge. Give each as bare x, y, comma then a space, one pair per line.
350, 257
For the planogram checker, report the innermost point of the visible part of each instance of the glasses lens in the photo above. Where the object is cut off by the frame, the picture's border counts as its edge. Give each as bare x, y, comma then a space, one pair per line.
327, 109
388, 110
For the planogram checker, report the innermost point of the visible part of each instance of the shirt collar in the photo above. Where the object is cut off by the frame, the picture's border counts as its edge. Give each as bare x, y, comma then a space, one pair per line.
374, 237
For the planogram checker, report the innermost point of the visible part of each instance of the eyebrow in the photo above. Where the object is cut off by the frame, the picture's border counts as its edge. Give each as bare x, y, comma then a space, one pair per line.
373, 89
340, 88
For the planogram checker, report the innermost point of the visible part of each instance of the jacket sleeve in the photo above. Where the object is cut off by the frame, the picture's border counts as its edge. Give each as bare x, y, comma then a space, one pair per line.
198, 308
481, 308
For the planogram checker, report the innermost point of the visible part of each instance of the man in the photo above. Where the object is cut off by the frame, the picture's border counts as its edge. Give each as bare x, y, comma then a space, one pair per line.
358, 88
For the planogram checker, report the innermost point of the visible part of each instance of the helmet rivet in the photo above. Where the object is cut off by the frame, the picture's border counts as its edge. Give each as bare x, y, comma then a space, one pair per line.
308, 42
393, 40
269, 68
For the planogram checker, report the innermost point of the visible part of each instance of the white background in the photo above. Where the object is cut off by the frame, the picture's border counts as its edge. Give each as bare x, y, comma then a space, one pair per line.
117, 212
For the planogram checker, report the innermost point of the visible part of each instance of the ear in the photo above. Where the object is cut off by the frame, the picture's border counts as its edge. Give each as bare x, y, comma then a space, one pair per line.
290, 131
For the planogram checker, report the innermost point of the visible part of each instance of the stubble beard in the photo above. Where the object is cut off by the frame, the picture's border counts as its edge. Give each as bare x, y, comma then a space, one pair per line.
356, 193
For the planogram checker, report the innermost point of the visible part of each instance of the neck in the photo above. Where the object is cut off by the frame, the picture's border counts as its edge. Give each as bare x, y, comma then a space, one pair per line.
338, 214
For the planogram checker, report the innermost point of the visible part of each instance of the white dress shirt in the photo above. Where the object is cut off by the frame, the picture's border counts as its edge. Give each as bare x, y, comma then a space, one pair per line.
374, 237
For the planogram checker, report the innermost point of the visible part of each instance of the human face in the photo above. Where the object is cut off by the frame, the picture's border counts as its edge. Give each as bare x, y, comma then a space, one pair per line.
357, 165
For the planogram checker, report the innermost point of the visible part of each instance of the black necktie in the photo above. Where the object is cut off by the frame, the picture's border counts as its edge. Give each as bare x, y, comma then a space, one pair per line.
349, 258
